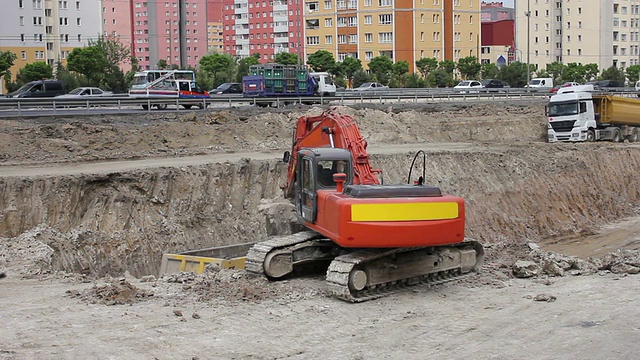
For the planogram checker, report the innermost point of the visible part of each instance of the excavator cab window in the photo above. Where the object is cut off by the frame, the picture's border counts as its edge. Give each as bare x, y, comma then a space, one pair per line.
326, 169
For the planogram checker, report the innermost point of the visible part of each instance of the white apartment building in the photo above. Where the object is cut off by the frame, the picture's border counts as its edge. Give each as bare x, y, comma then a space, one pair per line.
604, 32
47, 30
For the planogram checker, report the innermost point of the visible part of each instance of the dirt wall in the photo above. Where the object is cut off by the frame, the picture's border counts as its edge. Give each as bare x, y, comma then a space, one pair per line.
124, 221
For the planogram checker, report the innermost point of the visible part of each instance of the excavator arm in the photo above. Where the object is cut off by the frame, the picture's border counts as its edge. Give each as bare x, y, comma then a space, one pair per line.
333, 130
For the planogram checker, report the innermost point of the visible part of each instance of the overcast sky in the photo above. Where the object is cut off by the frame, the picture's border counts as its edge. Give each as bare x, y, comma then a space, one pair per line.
506, 3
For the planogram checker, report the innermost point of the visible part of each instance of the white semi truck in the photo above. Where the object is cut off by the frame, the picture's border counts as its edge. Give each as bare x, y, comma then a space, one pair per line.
577, 114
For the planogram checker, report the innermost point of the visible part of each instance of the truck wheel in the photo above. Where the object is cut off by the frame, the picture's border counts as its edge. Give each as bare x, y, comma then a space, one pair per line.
617, 136
634, 135
187, 106
591, 135
145, 107
161, 106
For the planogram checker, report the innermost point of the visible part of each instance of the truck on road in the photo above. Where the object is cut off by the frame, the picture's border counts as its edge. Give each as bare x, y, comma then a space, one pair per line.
287, 82
577, 113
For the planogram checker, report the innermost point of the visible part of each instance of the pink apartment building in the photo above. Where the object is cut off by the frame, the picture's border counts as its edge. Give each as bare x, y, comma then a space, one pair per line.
267, 27
152, 28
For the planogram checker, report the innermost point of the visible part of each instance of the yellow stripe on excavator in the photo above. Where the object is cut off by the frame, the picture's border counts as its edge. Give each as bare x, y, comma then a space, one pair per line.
404, 212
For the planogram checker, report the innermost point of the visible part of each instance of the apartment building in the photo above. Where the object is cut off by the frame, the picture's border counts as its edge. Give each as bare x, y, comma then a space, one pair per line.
47, 30
401, 30
498, 43
265, 27
152, 29
494, 11
604, 32
215, 36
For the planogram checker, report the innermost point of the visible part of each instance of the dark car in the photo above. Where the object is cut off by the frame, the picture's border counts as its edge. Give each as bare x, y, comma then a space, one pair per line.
39, 89
606, 84
494, 84
227, 88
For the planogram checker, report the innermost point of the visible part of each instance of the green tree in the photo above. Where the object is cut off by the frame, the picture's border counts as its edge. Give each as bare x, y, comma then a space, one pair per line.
322, 60
426, 65
399, 69
218, 67
469, 67
100, 63
243, 66
591, 71
286, 58
69, 79
447, 65
90, 61
414, 81
633, 73
439, 78
515, 74
489, 71
573, 72
555, 70
381, 66
360, 77
7, 58
349, 67
38, 70
613, 73
162, 64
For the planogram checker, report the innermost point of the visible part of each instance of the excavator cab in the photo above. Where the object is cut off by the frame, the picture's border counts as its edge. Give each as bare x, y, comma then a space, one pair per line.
314, 171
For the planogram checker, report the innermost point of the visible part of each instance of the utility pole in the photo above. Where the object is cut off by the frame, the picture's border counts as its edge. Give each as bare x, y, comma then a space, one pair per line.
299, 26
182, 33
528, 14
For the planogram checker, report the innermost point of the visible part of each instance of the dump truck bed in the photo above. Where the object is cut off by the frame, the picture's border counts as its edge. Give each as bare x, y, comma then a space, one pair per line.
617, 110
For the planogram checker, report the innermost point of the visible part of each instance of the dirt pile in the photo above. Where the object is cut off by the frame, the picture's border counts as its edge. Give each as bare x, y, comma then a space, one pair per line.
249, 129
115, 292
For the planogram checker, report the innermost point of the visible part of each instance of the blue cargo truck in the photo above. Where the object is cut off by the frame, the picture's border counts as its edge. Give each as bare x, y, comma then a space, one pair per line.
285, 81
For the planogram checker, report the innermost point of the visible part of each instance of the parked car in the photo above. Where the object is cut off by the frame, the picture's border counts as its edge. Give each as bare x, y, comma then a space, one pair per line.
85, 92
606, 84
227, 88
370, 86
564, 85
468, 86
494, 84
39, 89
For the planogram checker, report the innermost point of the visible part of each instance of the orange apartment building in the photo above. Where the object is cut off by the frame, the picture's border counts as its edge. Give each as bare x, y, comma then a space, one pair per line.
399, 29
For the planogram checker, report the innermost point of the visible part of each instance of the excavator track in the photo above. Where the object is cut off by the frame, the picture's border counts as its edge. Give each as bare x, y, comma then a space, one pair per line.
280, 256
369, 274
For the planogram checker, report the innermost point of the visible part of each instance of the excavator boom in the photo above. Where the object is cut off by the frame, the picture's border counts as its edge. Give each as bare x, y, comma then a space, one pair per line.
331, 130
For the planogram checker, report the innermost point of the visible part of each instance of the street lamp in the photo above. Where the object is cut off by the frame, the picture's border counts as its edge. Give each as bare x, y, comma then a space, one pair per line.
528, 15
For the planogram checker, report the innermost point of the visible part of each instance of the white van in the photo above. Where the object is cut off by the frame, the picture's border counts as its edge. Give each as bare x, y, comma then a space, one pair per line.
541, 83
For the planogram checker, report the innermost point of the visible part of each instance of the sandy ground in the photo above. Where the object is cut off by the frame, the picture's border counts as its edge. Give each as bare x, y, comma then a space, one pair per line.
569, 310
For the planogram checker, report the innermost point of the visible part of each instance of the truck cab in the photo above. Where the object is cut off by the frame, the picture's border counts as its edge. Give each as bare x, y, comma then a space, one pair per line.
326, 86
571, 114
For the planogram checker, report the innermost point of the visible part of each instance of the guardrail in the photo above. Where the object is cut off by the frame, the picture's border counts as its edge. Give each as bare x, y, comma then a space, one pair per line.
54, 106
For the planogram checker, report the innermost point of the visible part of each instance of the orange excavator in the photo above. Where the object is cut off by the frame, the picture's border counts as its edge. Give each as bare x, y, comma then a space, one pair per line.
375, 238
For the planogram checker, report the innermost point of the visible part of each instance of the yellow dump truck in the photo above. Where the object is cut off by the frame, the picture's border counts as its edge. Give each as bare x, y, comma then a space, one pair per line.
226, 257
577, 114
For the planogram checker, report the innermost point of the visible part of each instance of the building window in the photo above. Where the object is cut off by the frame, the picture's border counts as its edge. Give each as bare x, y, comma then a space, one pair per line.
368, 20
342, 39
327, 5
385, 19
23, 54
385, 37
368, 55
313, 40
385, 2
368, 38
328, 39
